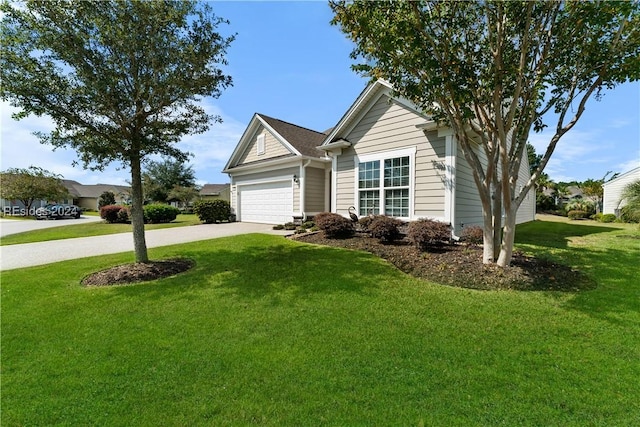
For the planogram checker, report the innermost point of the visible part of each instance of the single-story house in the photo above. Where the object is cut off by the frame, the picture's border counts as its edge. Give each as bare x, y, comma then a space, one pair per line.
215, 192
384, 156
612, 198
87, 196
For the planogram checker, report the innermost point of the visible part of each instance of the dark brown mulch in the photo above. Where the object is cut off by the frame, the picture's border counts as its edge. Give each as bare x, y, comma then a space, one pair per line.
461, 265
138, 272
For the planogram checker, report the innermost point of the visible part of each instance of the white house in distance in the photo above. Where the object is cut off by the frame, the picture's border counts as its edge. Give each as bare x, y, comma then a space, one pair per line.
384, 156
612, 198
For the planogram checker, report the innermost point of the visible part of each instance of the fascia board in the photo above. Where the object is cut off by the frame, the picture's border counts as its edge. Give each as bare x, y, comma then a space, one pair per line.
279, 137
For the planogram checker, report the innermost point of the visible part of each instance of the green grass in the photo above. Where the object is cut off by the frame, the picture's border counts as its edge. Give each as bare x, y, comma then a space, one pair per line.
89, 229
268, 331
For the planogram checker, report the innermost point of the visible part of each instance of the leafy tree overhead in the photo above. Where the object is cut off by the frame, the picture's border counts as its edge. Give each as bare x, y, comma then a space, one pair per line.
159, 178
31, 184
121, 79
493, 71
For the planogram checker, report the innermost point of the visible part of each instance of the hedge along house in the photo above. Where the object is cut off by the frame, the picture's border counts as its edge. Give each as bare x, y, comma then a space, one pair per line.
383, 157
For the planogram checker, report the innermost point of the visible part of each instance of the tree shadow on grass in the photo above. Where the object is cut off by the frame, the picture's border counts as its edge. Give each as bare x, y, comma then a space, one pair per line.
555, 234
278, 272
612, 262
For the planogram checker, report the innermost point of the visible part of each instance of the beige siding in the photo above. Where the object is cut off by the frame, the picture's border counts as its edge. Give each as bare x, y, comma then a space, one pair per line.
273, 148
314, 186
467, 205
527, 209
391, 126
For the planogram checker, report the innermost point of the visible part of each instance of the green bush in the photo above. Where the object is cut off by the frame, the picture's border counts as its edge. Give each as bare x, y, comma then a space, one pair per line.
472, 234
577, 214
629, 213
427, 233
212, 211
289, 226
597, 217
334, 225
278, 227
581, 205
608, 218
385, 228
308, 224
158, 213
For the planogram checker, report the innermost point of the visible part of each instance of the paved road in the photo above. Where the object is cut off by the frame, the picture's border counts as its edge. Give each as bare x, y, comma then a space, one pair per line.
13, 226
30, 254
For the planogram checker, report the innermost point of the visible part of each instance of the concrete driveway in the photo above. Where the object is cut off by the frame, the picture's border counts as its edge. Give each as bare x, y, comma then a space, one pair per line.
31, 254
13, 226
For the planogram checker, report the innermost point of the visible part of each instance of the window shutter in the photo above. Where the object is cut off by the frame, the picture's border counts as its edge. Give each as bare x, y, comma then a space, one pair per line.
260, 144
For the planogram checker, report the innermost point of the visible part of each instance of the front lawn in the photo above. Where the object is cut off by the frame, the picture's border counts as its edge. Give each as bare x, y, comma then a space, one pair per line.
72, 231
268, 331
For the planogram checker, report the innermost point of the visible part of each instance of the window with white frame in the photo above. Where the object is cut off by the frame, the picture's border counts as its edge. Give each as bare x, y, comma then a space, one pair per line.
384, 185
260, 144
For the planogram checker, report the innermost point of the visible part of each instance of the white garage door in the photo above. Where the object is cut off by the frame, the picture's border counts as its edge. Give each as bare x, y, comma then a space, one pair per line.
270, 203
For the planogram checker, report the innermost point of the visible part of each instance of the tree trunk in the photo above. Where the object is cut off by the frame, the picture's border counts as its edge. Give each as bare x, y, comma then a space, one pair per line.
496, 211
508, 238
137, 213
487, 237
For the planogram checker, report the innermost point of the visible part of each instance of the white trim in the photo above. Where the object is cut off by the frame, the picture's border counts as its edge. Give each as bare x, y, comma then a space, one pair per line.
381, 156
269, 165
334, 184
450, 180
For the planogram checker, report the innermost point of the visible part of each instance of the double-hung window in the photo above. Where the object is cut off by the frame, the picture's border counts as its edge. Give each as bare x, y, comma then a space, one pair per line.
384, 185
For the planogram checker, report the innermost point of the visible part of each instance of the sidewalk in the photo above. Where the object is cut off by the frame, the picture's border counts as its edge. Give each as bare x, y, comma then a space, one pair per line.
31, 254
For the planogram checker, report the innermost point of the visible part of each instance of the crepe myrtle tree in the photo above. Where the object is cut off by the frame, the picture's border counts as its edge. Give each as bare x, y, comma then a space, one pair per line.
493, 71
121, 79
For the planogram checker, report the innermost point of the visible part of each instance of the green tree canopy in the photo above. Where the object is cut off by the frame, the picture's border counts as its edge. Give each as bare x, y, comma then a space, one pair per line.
121, 79
159, 178
493, 71
31, 184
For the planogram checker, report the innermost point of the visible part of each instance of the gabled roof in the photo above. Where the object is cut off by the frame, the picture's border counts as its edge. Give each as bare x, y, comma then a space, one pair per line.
631, 172
304, 140
213, 189
78, 190
367, 98
298, 140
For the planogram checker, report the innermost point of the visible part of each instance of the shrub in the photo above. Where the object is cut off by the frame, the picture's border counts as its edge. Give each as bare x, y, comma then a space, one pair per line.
365, 222
608, 218
106, 198
581, 205
577, 214
334, 225
289, 226
308, 224
157, 214
629, 213
472, 234
278, 227
426, 233
111, 214
300, 230
597, 217
385, 228
124, 215
212, 211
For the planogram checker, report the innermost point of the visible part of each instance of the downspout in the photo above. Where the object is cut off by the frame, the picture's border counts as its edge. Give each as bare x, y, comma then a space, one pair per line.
450, 183
303, 176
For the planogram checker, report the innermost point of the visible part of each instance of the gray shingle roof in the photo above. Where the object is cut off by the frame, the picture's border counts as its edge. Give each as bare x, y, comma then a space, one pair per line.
212, 189
304, 140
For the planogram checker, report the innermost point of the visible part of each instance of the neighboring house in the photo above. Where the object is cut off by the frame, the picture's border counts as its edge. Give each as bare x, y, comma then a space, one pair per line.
87, 196
612, 198
383, 157
215, 192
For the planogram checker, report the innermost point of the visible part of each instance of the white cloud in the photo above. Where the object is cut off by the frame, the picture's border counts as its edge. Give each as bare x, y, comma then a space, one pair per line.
21, 149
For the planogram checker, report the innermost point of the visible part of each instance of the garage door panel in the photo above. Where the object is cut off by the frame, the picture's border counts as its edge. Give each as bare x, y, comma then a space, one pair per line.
270, 203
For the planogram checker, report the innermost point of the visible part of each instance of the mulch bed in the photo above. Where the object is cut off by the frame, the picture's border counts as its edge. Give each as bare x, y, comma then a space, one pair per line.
138, 272
461, 265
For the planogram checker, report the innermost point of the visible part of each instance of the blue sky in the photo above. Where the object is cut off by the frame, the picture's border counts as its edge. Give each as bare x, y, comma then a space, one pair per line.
288, 62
